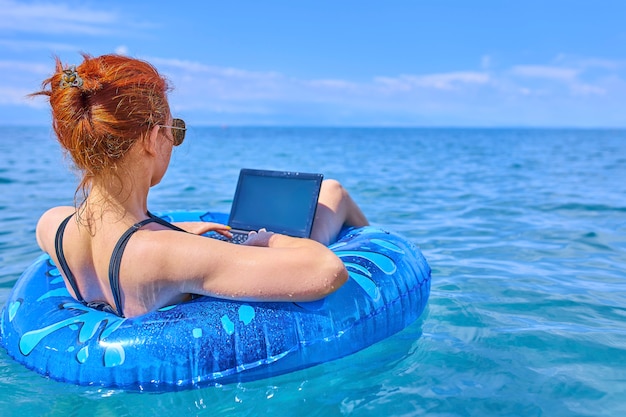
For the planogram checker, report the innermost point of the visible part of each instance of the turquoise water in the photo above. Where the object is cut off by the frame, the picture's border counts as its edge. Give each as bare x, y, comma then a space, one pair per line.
525, 231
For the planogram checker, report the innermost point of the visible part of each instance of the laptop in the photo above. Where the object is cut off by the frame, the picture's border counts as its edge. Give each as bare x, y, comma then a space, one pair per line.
279, 201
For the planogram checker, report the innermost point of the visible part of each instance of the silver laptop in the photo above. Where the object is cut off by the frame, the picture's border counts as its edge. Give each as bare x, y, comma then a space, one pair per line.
279, 201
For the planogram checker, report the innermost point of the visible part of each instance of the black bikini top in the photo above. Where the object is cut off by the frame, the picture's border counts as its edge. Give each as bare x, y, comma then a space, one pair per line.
114, 264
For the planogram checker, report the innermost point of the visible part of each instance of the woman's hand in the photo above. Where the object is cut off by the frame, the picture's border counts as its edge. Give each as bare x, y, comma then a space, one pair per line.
200, 228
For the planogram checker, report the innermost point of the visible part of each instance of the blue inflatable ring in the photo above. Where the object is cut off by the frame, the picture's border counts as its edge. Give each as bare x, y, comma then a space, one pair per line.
212, 341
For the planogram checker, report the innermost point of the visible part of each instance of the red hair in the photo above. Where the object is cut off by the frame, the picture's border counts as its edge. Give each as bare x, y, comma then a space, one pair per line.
120, 99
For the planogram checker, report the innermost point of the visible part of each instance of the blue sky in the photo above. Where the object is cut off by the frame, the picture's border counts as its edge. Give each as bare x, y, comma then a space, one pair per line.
459, 63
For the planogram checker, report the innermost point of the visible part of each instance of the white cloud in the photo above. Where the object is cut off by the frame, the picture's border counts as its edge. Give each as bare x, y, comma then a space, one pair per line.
200, 86
20, 78
580, 89
332, 85
19, 96
185, 67
391, 85
55, 18
17, 68
121, 50
442, 81
209, 83
21, 45
179, 64
585, 63
582, 76
450, 80
544, 71
208, 91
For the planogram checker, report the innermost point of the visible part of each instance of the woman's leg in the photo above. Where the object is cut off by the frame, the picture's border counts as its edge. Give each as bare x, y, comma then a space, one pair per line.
335, 208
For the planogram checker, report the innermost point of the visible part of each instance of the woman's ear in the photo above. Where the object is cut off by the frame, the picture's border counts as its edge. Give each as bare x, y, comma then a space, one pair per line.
151, 140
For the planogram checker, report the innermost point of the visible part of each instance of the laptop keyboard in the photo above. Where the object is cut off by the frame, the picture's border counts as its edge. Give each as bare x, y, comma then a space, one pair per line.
238, 238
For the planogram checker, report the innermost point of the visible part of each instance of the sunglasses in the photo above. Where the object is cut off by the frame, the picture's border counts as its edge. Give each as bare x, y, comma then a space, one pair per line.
178, 130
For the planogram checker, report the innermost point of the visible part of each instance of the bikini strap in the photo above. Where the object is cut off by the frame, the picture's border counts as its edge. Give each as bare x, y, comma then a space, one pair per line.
116, 257
58, 248
165, 223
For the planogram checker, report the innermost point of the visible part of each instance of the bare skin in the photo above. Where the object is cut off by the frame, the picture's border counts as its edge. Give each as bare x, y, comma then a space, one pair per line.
334, 209
161, 266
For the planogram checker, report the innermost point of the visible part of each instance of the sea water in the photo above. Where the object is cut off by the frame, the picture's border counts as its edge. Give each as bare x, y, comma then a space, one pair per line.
525, 231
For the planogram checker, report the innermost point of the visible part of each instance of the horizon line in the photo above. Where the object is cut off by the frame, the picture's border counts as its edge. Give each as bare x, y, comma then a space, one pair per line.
356, 126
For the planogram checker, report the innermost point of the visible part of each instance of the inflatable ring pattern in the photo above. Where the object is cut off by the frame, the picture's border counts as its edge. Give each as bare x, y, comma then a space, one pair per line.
214, 341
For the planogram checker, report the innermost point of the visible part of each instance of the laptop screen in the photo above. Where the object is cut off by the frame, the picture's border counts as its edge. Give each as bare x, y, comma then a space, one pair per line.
282, 202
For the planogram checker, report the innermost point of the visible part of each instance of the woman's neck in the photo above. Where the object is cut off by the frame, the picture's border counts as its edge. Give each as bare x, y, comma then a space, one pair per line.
123, 202
123, 196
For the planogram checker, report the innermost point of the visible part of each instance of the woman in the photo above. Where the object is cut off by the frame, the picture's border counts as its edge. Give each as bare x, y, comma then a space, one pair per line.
112, 116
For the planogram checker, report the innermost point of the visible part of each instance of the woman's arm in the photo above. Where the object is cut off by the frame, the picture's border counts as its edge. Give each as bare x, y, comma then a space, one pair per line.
270, 267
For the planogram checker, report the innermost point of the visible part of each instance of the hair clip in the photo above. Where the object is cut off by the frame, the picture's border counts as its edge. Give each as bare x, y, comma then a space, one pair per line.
70, 78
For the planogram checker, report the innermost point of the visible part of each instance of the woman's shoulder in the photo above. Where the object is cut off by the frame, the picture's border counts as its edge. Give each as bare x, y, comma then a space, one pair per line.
49, 223
58, 212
